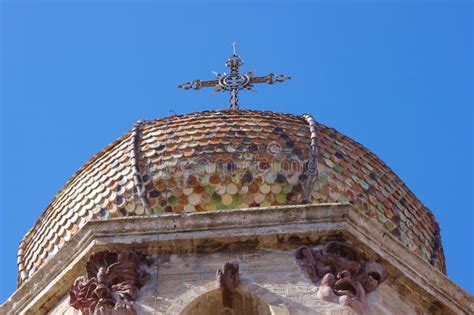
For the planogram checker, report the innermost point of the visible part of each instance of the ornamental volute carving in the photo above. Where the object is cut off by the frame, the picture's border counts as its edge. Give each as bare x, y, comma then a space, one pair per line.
112, 283
342, 276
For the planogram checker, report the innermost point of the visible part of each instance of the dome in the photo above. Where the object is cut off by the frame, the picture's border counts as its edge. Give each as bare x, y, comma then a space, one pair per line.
228, 159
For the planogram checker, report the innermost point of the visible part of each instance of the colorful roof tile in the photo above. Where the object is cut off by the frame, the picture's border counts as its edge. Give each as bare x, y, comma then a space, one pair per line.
228, 159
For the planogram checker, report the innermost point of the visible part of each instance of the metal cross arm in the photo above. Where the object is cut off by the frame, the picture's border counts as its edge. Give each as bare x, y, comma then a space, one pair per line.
234, 81
198, 84
270, 78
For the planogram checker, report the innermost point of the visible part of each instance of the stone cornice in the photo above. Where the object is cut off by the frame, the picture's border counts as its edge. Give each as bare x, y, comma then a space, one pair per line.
271, 227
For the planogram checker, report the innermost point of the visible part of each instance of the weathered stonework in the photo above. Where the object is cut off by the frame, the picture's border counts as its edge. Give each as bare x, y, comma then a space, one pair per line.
341, 274
189, 248
111, 284
228, 279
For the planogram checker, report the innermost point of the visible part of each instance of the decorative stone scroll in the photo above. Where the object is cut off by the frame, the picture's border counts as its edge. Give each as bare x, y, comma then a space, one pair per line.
228, 280
111, 284
342, 276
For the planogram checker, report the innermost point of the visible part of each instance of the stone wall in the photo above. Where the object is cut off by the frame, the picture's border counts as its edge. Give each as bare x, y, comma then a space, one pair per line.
188, 249
268, 277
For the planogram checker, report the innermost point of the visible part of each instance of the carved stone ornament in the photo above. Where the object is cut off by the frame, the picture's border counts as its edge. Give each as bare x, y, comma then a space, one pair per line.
111, 284
342, 276
228, 280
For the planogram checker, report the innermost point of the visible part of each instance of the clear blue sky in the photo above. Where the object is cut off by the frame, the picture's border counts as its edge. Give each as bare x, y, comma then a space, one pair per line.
395, 76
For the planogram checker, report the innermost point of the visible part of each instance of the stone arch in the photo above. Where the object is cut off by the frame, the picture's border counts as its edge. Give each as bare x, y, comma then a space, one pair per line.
243, 303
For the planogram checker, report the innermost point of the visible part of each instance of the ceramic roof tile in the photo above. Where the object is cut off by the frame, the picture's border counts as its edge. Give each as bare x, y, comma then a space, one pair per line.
238, 159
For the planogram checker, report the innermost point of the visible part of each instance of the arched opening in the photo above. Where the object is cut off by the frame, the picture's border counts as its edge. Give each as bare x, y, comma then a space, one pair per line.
243, 303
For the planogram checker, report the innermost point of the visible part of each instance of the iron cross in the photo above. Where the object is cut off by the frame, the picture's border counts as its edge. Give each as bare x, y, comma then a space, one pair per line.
234, 81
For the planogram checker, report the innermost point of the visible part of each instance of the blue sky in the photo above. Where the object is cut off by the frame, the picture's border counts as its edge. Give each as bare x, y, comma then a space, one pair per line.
394, 75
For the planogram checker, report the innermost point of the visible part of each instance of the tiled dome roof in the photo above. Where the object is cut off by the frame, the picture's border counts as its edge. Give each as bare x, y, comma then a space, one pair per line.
229, 159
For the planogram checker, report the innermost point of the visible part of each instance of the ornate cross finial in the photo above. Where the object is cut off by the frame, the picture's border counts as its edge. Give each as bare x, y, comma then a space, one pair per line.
234, 81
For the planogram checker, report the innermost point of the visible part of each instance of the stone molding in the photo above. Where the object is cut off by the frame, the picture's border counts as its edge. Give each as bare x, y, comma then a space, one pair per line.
269, 227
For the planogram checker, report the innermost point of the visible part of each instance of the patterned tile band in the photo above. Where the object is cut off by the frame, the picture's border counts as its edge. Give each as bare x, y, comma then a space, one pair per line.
230, 159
